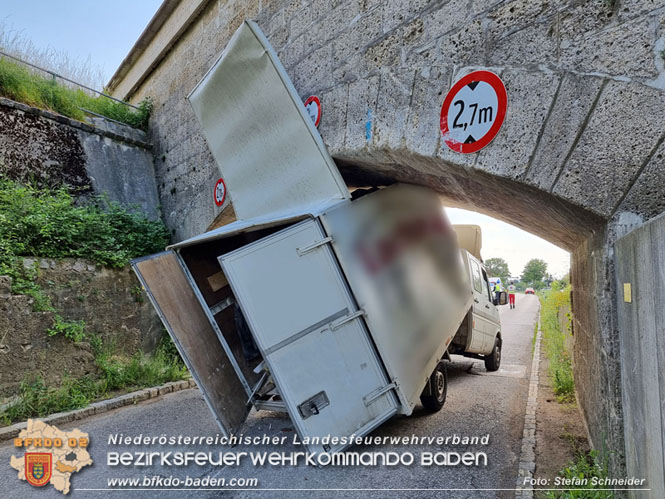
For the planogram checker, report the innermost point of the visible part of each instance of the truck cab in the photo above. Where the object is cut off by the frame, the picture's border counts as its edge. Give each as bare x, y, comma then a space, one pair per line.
479, 335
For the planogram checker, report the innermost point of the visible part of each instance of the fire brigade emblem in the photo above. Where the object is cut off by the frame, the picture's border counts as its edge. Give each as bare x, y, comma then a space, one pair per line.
38, 468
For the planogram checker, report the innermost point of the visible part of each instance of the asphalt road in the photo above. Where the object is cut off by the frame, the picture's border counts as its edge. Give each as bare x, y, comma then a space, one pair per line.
478, 403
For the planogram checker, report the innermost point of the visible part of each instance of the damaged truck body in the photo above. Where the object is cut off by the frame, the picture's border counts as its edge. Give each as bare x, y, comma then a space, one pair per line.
332, 306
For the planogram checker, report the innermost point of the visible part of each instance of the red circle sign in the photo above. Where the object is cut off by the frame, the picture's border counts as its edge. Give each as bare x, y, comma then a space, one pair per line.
473, 111
219, 192
313, 106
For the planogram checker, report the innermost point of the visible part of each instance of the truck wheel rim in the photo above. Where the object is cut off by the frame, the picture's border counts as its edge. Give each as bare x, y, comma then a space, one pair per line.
440, 384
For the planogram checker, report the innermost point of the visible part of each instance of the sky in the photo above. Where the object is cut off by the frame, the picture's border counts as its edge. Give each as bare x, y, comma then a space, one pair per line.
514, 245
105, 31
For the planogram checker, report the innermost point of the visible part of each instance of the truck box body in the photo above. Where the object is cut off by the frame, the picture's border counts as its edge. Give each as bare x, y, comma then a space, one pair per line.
350, 304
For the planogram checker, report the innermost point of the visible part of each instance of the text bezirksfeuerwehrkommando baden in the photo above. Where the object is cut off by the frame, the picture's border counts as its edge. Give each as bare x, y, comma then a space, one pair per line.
235, 457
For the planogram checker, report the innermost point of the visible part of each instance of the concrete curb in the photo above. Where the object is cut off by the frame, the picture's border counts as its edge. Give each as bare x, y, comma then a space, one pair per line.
101, 406
528, 453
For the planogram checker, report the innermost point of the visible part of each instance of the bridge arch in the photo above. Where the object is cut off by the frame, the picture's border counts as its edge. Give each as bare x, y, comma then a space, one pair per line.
579, 159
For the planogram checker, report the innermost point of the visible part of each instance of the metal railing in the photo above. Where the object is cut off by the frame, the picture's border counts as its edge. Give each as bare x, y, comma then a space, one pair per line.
56, 75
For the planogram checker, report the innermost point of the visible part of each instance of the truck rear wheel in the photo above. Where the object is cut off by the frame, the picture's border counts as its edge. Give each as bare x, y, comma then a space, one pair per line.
493, 360
434, 395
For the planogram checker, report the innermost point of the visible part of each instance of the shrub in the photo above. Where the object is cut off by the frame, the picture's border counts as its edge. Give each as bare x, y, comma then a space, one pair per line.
46, 223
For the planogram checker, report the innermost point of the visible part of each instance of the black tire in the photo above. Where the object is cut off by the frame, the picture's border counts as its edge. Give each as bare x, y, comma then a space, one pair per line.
434, 398
493, 360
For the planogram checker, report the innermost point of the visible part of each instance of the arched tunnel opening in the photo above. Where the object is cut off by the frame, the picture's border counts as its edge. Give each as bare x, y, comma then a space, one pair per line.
585, 235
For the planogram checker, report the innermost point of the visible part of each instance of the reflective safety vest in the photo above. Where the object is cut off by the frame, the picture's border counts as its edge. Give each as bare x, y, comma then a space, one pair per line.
497, 287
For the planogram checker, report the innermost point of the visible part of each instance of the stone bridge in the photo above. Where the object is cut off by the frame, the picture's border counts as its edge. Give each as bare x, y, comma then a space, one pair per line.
579, 160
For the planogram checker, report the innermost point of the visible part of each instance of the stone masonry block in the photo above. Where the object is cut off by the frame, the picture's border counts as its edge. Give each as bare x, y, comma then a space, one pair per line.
361, 112
587, 17
632, 8
292, 52
535, 44
313, 72
423, 130
360, 33
529, 97
386, 52
615, 143
446, 18
333, 116
465, 46
624, 50
509, 16
568, 115
478, 6
646, 196
397, 12
392, 111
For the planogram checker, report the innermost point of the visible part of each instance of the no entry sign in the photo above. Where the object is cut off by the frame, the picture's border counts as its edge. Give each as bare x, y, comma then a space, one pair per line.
473, 111
313, 106
219, 193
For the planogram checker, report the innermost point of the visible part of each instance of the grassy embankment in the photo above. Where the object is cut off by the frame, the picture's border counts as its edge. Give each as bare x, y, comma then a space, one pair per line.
43, 223
587, 465
18, 83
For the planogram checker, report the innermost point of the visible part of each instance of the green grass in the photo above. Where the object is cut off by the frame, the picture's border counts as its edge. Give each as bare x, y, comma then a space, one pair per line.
554, 340
20, 84
38, 399
586, 466
48, 223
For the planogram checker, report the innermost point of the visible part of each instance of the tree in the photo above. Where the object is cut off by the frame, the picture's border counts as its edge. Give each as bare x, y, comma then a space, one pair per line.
534, 272
497, 267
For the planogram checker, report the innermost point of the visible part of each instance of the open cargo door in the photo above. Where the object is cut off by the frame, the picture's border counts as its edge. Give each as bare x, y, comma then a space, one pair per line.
311, 334
172, 296
270, 154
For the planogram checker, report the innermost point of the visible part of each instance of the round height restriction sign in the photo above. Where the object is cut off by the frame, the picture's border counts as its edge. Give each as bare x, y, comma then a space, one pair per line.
219, 192
473, 111
313, 106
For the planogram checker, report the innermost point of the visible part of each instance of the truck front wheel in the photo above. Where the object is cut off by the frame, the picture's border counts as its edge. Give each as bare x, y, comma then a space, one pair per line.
434, 395
493, 360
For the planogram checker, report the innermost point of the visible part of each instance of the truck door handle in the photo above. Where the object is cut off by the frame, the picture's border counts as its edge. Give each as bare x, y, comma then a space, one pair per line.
476, 300
336, 325
487, 306
311, 247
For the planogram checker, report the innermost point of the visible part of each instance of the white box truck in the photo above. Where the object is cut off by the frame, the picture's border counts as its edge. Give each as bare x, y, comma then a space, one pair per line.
335, 308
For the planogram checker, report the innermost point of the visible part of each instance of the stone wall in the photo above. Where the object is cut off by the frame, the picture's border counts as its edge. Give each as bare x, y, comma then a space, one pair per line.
580, 154
110, 301
101, 157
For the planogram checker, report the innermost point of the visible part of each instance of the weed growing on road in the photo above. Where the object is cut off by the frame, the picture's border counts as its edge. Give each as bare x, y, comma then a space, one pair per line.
19, 83
554, 337
586, 468
37, 399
